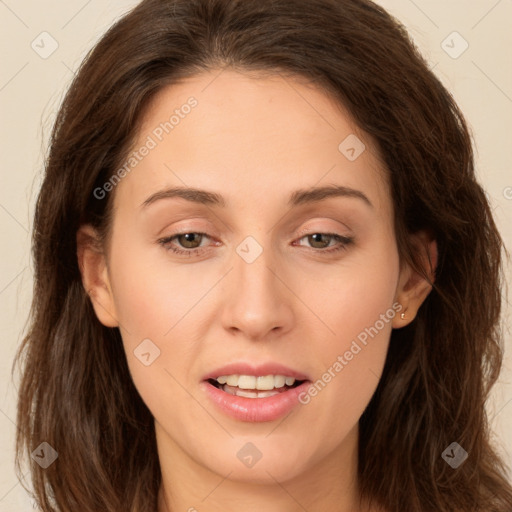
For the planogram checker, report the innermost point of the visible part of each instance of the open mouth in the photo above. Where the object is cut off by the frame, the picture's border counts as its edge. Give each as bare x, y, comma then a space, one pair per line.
248, 388
277, 391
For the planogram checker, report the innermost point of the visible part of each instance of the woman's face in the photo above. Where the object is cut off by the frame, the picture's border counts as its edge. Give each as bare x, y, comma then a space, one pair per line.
276, 276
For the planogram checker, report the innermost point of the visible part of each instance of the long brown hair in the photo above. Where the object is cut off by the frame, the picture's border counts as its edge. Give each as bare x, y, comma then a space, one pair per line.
76, 392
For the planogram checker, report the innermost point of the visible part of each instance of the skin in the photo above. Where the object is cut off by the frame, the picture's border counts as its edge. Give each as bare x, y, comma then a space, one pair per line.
254, 140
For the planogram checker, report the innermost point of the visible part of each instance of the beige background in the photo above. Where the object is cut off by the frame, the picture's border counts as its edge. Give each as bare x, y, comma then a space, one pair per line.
31, 88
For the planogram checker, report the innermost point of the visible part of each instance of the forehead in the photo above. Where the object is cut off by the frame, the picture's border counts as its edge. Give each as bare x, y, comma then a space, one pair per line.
250, 138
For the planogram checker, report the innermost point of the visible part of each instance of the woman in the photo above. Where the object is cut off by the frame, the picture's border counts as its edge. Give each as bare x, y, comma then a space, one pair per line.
265, 275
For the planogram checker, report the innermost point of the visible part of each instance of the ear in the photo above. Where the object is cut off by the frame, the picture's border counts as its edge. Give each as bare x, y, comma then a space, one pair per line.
413, 288
95, 277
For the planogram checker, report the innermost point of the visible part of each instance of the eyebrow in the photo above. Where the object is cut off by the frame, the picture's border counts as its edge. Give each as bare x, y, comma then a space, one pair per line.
298, 197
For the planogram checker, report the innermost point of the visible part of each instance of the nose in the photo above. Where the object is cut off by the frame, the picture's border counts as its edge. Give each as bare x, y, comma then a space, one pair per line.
258, 298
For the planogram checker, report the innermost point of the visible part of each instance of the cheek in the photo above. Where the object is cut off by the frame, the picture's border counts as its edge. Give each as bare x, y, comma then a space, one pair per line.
151, 295
155, 307
356, 303
352, 296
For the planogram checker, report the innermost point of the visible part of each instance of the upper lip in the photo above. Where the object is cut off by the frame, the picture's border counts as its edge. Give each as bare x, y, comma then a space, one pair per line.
262, 369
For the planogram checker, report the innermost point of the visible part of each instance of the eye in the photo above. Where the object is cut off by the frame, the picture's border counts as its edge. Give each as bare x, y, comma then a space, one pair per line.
319, 242
189, 241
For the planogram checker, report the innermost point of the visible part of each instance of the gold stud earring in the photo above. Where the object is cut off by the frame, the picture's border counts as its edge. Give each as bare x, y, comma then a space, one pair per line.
402, 316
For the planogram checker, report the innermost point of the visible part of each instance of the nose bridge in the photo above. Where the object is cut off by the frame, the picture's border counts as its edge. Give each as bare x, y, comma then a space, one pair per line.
255, 302
252, 266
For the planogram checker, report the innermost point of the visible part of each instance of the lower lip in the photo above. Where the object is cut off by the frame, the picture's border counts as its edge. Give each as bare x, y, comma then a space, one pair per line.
255, 409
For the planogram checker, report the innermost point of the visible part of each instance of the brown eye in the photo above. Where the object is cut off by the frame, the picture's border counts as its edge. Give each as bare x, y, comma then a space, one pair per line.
321, 242
188, 240
185, 244
316, 238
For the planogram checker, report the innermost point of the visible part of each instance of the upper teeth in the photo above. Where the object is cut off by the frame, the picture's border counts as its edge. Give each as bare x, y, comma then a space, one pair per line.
251, 382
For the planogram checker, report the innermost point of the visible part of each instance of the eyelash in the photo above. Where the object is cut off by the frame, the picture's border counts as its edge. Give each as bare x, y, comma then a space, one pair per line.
165, 242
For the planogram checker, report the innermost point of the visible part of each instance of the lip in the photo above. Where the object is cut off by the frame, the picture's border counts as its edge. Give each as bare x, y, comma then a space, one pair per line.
242, 368
255, 409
